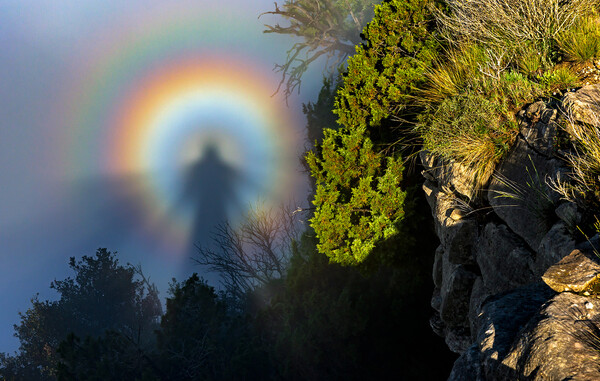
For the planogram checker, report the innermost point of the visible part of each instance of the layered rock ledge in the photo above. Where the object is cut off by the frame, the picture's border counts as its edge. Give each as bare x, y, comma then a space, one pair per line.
515, 294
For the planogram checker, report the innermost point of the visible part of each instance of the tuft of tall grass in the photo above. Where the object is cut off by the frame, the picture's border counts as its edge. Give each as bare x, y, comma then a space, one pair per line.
585, 158
452, 75
477, 126
583, 185
471, 130
558, 79
532, 60
581, 42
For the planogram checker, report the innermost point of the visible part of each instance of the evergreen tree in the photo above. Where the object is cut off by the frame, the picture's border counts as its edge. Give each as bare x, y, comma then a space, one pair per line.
103, 296
358, 171
203, 337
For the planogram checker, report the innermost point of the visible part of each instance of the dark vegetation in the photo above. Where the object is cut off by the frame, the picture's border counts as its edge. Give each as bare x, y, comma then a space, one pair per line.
103, 296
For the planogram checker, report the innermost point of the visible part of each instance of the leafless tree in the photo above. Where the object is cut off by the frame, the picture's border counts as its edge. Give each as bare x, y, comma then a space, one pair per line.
254, 253
327, 28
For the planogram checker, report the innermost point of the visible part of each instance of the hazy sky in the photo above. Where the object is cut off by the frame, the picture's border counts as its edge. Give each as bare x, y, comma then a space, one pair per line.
107, 105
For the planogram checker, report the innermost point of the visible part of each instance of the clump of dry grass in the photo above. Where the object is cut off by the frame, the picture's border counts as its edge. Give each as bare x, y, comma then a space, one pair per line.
450, 76
476, 126
583, 184
585, 159
509, 23
471, 130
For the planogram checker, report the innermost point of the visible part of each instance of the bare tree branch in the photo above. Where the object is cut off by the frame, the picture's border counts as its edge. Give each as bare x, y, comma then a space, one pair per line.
253, 254
328, 28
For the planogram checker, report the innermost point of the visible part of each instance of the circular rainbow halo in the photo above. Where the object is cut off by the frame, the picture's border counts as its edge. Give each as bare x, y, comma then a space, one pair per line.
163, 121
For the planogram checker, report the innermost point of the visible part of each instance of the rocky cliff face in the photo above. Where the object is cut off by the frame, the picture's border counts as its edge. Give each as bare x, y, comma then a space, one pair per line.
514, 290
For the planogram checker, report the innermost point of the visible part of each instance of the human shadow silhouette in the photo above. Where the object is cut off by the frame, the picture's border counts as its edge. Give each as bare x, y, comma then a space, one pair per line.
209, 189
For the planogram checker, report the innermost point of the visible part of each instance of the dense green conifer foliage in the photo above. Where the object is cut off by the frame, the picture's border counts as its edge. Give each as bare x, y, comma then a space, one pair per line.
387, 70
358, 196
357, 168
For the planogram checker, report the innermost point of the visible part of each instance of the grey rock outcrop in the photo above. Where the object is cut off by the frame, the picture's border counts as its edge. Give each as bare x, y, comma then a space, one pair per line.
559, 343
499, 246
503, 259
519, 195
500, 321
528, 334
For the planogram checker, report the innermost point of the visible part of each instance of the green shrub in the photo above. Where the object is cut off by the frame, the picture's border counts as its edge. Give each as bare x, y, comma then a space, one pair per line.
385, 72
358, 198
357, 170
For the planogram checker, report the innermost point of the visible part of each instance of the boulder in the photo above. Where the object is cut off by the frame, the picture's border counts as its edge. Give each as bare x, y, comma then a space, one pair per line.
466, 367
502, 317
591, 245
431, 192
456, 294
436, 299
438, 271
437, 325
576, 272
479, 293
457, 234
534, 111
583, 105
561, 342
454, 176
568, 213
539, 127
458, 339
442, 204
458, 239
556, 245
